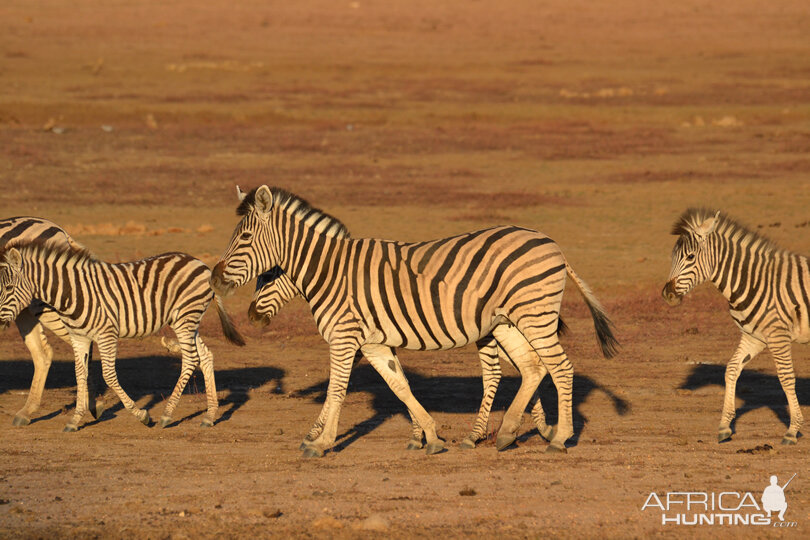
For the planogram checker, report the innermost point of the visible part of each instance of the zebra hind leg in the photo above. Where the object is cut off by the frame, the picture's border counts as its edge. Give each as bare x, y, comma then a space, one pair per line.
207, 366
491, 377
784, 370
190, 361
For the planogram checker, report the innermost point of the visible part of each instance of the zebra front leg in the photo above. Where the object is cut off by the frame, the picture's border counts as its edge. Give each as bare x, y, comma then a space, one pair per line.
107, 350
341, 359
384, 360
491, 377
525, 359
780, 349
41, 354
81, 353
747, 349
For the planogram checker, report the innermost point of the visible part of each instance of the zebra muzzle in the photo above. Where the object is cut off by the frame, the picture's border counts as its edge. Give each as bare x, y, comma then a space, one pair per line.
218, 282
4, 325
670, 296
256, 318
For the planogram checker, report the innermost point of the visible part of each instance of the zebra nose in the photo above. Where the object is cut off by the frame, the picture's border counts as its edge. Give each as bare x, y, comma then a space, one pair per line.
256, 318
218, 282
670, 296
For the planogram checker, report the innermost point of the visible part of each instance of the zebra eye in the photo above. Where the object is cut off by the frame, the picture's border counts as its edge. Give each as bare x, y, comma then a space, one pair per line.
246, 235
690, 257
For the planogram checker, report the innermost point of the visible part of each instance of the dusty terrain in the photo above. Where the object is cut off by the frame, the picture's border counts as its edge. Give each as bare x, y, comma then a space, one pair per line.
129, 123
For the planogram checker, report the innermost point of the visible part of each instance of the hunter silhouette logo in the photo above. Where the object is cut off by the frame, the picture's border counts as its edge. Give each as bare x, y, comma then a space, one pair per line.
773, 498
722, 508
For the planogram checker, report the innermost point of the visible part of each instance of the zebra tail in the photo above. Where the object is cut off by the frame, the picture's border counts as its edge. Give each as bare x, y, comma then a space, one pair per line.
228, 328
603, 326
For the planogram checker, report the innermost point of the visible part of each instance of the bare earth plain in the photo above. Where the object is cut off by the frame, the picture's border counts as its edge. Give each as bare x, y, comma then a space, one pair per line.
595, 122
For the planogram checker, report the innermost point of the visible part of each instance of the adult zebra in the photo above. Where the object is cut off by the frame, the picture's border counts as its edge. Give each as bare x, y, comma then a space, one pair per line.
374, 295
103, 302
766, 289
33, 318
274, 290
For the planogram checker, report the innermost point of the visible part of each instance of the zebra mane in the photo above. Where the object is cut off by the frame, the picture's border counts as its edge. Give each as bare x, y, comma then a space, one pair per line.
692, 218
46, 247
297, 206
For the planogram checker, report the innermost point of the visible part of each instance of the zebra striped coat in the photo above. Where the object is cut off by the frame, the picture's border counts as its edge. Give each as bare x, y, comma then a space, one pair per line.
103, 302
33, 318
768, 292
274, 290
374, 295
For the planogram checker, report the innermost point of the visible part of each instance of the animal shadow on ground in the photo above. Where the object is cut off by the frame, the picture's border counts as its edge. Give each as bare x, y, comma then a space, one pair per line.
153, 376
756, 389
455, 395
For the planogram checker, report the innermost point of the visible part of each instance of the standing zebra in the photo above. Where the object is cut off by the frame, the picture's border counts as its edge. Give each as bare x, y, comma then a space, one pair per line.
274, 290
375, 295
33, 318
103, 302
767, 292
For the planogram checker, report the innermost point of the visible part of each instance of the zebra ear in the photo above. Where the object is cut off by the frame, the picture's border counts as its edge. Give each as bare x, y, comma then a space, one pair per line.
13, 259
240, 194
708, 226
264, 200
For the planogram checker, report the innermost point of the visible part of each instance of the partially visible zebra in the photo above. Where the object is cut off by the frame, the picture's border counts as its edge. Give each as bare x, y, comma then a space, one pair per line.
768, 292
33, 318
274, 290
375, 295
103, 302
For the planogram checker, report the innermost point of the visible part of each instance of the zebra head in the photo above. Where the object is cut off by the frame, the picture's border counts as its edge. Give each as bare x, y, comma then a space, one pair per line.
691, 258
273, 290
15, 293
249, 252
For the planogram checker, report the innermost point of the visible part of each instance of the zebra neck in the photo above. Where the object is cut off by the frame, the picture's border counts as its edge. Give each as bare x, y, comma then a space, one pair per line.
55, 280
310, 256
740, 265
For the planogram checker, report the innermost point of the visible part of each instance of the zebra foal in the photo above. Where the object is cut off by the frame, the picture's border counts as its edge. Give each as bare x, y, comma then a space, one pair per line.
103, 302
767, 289
375, 295
274, 290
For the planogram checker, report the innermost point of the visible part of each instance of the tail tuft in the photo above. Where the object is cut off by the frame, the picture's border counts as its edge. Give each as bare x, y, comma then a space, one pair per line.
228, 328
562, 328
603, 326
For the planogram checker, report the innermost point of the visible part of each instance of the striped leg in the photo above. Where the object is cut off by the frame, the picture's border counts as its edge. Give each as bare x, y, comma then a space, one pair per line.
190, 361
41, 353
491, 377
780, 349
340, 367
747, 349
108, 349
81, 353
525, 359
385, 361
207, 367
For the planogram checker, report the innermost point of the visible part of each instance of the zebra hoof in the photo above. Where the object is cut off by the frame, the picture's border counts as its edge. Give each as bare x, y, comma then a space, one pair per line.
504, 441
70, 428
434, 448
548, 432
723, 434
143, 417
554, 449
467, 444
98, 409
413, 444
311, 452
20, 421
789, 440
206, 423
164, 421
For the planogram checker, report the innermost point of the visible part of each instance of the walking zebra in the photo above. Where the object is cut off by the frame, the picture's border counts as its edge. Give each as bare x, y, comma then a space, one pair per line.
103, 302
33, 318
375, 295
274, 290
767, 292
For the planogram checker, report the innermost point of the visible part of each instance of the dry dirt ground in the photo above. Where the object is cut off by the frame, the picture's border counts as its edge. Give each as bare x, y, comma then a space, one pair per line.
596, 122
